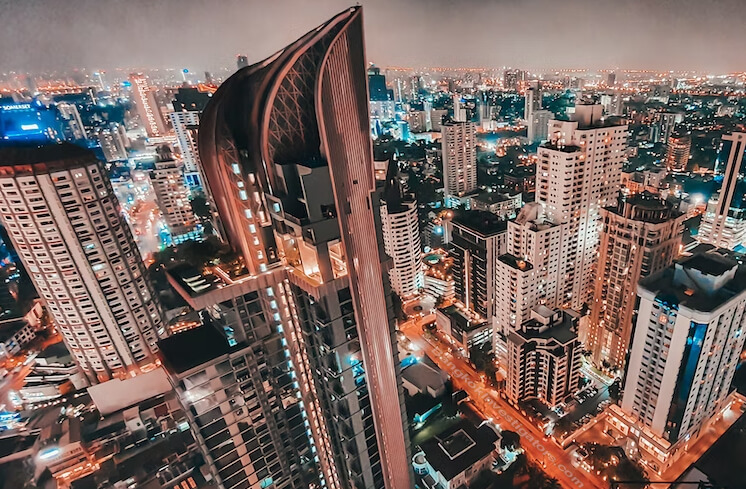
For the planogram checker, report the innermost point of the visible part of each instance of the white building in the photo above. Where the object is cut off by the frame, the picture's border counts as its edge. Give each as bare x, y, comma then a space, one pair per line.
172, 195
544, 358
63, 219
724, 222
186, 125
686, 346
112, 144
538, 126
579, 173
459, 143
401, 237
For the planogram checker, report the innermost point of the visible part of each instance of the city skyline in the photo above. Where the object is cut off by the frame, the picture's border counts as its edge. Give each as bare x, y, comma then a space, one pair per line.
535, 34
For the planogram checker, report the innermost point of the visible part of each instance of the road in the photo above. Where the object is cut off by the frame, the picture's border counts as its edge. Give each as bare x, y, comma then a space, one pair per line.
544, 451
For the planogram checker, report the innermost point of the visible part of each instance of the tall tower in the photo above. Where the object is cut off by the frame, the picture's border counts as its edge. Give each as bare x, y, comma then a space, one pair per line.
532, 105
288, 159
63, 219
401, 236
724, 222
147, 107
578, 174
687, 342
641, 235
459, 144
188, 104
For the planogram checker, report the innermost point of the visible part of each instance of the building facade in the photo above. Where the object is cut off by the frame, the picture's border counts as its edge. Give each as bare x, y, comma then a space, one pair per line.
172, 195
63, 218
544, 358
641, 235
146, 105
685, 350
724, 221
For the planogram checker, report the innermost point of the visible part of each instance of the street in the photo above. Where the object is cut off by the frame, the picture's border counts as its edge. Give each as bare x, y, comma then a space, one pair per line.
544, 451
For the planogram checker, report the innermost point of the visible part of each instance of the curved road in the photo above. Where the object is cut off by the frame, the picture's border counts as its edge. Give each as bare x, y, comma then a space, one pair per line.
544, 451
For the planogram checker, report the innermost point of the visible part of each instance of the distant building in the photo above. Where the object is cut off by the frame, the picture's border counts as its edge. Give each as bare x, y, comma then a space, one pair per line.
502, 205
687, 344
678, 151
544, 358
112, 143
538, 126
29, 122
242, 61
147, 106
458, 142
724, 222
641, 235
172, 196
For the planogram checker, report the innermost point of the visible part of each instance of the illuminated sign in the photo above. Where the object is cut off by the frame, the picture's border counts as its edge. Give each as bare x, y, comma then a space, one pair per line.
29, 127
49, 453
16, 107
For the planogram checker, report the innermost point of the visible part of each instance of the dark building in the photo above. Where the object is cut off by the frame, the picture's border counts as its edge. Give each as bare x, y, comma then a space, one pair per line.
286, 152
242, 61
477, 239
377, 86
190, 99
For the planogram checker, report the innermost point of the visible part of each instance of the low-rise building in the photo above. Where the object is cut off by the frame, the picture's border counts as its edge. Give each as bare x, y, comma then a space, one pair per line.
454, 458
465, 328
15, 333
501, 204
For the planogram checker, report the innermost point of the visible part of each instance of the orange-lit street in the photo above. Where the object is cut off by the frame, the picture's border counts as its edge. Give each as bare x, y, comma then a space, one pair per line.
543, 450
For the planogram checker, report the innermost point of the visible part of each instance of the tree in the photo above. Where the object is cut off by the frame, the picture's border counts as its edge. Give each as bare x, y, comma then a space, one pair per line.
510, 440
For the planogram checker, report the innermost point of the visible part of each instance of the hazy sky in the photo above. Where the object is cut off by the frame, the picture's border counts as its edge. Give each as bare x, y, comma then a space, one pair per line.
206, 34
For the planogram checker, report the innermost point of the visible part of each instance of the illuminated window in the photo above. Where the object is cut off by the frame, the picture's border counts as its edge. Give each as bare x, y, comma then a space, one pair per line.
236, 168
242, 194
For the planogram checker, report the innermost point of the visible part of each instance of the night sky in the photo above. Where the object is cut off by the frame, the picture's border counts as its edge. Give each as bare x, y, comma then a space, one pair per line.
207, 34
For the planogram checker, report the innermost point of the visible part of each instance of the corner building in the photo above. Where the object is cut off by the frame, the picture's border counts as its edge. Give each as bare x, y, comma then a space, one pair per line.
288, 159
63, 218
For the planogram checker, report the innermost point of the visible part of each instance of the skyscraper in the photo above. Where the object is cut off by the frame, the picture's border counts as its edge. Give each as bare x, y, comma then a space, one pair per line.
724, 222
641, 235
146, 105
401, 236
188, 104
531, 106
63, 219
459, 144
287, 156
686, 346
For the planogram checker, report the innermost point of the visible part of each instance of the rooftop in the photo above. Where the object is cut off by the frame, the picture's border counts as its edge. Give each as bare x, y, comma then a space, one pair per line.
704, 281
35, 158
459, 447
184, 351
515, 262
562, 331
565, 148
480, 222
491, 197
192, 280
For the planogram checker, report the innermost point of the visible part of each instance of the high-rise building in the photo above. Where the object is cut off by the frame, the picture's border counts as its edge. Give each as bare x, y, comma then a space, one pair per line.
459, 144
186, 127
687, 342
69, 113
531, 105
666, 122
242, 61
401, 236
63, 219
478, 238
172, 195
577, 175
724, 222
610, 79
287, 156
677, 152
641, 235
544, 358
511, 79
146, 105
